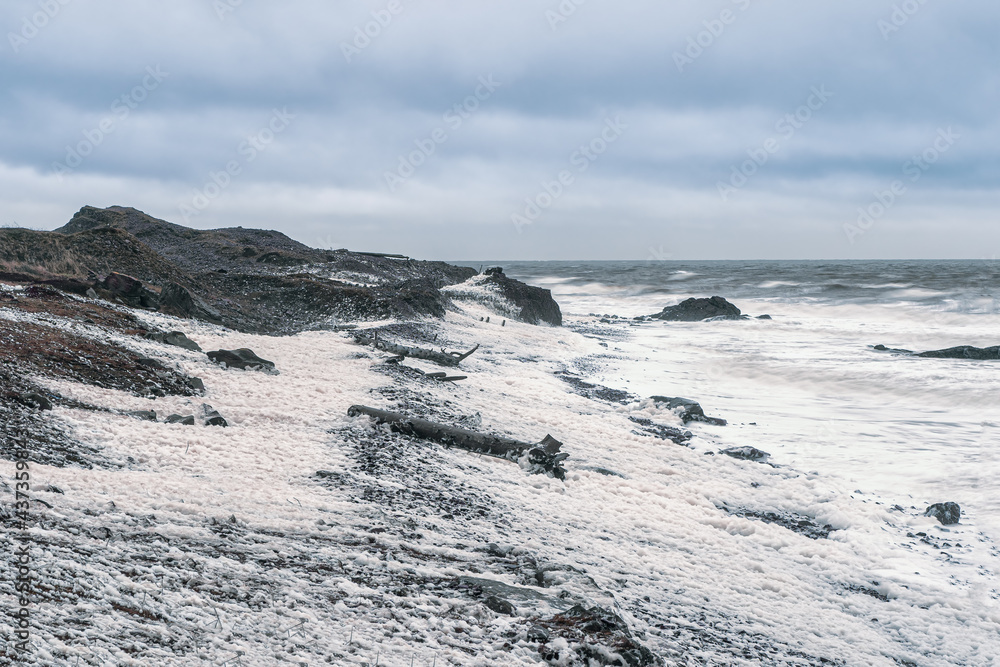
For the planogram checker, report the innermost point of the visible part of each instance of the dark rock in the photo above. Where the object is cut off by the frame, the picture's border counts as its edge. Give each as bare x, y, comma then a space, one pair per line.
793, 522
964, 352
894, 350
675, 435
130, 290
763, 317
213, 418
496, 270
36, 400
242, 358
594, 634
175, 338
537, 633
608, 473
688, 410
179, 419
148, 415
747, 453
49, 488
536, 304
947, 513
696, 310
595, 391
178, 301
197, 384
148, 362
500, 606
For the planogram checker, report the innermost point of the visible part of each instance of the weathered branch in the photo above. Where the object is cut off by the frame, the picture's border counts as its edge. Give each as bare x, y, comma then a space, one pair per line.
543, 457
443, 358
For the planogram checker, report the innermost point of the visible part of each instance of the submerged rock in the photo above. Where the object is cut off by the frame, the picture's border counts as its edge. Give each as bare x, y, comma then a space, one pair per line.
688, 410
894, 350
243, 358
148, 415
696, 310
964, 352
747, 453
947, 513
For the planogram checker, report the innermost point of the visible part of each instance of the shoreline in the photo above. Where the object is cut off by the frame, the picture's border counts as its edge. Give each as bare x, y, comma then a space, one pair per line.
213, 536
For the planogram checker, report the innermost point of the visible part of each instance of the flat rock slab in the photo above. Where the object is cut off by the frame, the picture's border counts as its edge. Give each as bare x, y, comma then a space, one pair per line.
243, 358
175, 338
964, 352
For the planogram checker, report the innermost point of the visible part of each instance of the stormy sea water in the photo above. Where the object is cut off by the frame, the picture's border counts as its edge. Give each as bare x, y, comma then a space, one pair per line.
819, 398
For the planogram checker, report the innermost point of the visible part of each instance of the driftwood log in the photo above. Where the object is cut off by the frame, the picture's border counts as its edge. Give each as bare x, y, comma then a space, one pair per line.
543, 457
443, 358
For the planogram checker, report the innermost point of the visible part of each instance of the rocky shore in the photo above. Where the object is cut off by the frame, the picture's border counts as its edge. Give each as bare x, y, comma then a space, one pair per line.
203, 492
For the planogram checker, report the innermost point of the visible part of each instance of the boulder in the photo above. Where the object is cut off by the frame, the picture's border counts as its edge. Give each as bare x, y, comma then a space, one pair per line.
212, 416
243, 358
197, 384
947, 513
130, 291
536, 303
964, 352
696, 310
215, 419
36, 400
91, 294
175, 338
747, 453
500, 606
176, 300
180, 419
148, 415
688, 410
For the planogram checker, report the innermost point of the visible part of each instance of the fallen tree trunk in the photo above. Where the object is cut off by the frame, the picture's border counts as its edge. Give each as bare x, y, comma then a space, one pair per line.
543, 457
443, 358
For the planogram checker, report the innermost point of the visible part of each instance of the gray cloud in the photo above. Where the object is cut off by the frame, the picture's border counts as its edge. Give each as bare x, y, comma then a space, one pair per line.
323, 177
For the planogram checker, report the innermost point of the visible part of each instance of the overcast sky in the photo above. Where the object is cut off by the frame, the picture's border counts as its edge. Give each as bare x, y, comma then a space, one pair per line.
516, 129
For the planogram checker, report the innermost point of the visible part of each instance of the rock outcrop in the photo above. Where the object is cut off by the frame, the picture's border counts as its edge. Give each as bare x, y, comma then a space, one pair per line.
947, 513
964, 352
696, 310
536, 304
688, 410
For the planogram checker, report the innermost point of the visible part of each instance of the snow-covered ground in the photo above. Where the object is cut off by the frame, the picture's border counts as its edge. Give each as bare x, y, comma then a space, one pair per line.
299, 535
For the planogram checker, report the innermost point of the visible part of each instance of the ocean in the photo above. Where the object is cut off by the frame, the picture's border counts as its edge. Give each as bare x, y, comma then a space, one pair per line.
912, 431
